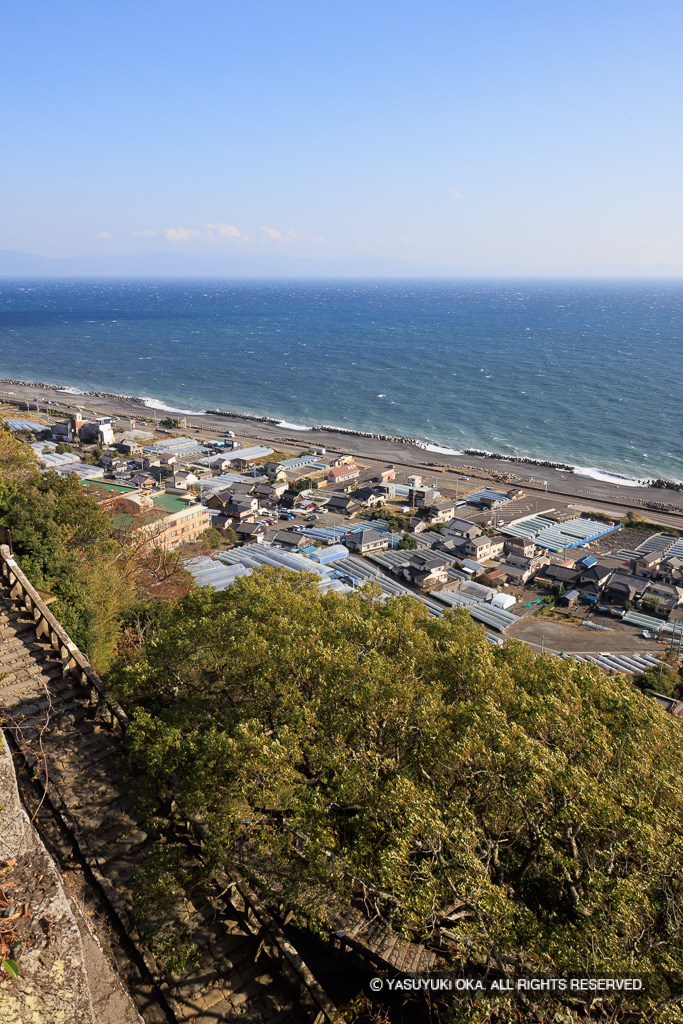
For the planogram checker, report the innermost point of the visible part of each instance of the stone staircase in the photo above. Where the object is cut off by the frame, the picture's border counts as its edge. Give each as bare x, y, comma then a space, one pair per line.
381, 946
69, 737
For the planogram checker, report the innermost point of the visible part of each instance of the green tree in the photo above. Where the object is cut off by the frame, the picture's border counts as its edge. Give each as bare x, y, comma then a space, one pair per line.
396, 520
349, 746
632, 520
211, 538
407, 543
63, 542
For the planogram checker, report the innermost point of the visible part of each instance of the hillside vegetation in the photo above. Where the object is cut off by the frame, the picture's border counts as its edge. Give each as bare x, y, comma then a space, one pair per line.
64, 542
347, 745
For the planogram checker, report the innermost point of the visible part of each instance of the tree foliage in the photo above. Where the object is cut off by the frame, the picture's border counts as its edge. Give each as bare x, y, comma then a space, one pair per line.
63, 542
211, 538
407, 543
396, 520
346, 744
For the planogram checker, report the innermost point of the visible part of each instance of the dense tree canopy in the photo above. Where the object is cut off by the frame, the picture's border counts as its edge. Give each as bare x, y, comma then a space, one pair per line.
346, 742
65, 544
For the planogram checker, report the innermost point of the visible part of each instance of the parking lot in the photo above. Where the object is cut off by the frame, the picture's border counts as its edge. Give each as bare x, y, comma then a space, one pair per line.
547, 634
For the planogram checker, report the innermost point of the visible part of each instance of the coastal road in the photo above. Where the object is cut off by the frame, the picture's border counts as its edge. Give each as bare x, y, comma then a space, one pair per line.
538, 480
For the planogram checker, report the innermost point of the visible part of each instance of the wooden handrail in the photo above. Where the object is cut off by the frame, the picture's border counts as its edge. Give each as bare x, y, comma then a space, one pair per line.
76, 663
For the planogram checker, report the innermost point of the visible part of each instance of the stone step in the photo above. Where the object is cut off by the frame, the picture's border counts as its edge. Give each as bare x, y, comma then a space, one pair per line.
119, 830
52, 703
120, 847
83, 757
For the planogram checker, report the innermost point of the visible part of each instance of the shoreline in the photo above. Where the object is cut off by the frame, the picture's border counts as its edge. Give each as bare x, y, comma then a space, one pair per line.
583, 472
541, 482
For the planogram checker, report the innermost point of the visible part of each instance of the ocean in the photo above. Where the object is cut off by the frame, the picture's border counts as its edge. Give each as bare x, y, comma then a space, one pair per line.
584, 372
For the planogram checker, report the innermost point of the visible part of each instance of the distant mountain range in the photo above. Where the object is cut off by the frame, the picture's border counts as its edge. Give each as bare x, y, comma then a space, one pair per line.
181, 264
178, 264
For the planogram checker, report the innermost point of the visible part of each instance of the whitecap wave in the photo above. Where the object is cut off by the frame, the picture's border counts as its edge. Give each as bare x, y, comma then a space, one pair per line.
73, 391
440, 450
608, 478
152, 403
291, 426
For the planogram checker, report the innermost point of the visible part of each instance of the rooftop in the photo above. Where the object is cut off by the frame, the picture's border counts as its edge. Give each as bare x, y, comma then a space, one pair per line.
170, 502
99, 486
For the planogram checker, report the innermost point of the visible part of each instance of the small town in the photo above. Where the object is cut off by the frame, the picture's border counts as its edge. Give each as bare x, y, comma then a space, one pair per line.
341, 514
565, 580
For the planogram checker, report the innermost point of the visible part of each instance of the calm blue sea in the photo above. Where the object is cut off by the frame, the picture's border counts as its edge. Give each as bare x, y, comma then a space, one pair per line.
589, 373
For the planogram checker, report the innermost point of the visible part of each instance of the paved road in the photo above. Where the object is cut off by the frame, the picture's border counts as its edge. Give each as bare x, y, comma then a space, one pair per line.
538, 479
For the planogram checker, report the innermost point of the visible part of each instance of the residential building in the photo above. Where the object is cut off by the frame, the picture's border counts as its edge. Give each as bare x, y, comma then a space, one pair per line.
622, 588
112, 463
646, 565
516, 546
427, 570
479, 547
555, 575
289, 541
368, 496
518, 573
183, 479
343, 474
421, 497
441, 512
219, 500
662, 598
366, 541
270, 491
250, 533
143, 481
671, 570
167, 520
342, 504
463, 528
242, 511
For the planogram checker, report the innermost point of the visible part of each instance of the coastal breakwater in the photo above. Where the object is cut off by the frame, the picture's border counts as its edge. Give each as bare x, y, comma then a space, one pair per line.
427, 446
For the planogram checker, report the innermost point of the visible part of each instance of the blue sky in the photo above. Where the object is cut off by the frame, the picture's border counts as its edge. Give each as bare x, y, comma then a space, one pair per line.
497, 137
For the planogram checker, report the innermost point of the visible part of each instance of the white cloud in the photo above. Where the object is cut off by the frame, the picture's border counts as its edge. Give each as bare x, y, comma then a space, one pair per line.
454, 192
105, 234
144, 234
317, 238
179, 234
404, 241
225, 229
274, 234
